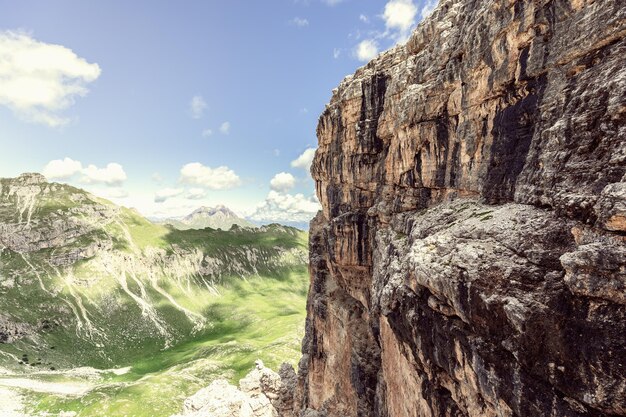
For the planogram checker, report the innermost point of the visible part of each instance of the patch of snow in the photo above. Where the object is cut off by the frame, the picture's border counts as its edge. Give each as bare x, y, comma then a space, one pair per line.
120, 371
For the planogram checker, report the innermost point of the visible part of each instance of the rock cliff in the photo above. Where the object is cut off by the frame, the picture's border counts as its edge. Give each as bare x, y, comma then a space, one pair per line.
470, 257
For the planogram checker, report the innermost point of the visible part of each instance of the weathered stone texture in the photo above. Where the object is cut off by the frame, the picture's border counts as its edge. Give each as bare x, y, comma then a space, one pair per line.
262, 393
470, 257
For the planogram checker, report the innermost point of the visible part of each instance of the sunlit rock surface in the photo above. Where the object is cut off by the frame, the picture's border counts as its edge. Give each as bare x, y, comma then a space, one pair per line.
262, 393
470, 257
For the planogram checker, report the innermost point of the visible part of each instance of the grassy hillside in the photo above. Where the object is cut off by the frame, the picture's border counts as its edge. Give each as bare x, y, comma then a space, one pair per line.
136, 316
257, 318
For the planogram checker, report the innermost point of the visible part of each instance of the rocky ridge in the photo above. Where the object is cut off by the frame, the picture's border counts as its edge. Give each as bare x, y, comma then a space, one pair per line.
38, 215
470, 255
262, 393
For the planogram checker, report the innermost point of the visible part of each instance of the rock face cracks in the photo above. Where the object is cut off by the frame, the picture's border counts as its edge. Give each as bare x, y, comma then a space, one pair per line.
470, 257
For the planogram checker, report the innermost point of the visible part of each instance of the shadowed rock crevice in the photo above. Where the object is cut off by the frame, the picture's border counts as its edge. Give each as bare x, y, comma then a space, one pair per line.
513, 130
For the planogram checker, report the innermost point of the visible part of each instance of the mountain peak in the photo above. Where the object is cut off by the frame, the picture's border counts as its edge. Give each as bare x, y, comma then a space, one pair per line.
31, 178
220, 209
218, 217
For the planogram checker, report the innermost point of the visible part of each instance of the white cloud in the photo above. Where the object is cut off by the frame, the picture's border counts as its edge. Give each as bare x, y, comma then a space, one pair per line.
220, 178
336, 53
363, 18
304, 160
225, 128
197, 106
207, 133
39, 80
113, 174
332, 2
276, 152
299, 22
196, 194
283, 181
428, 8
399, 16
62, 169
281, 207
366, 50
165, 194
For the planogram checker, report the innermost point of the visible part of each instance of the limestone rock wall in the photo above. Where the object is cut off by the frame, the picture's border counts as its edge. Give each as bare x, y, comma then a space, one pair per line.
470, 257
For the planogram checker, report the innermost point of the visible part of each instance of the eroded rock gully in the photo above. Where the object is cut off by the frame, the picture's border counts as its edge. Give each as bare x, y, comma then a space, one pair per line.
470, 258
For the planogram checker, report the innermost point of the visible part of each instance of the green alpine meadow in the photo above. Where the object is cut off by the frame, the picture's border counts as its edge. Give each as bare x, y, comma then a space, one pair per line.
104, 313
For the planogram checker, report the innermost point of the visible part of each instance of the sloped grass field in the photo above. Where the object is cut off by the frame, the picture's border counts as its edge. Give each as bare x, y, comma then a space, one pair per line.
64, 303
103, 313
256, 318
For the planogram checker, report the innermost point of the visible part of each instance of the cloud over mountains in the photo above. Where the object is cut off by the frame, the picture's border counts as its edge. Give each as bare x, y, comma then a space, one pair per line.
38, 81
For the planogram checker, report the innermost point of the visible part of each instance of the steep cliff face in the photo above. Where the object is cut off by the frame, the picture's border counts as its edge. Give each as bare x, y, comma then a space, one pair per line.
470, 258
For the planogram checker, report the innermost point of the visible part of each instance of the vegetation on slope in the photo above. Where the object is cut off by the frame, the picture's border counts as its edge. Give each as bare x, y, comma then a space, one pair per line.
86, 286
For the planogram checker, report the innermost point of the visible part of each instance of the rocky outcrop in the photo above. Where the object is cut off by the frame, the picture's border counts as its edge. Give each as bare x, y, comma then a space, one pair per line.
36, 215
262, 393
11, 331
469, 259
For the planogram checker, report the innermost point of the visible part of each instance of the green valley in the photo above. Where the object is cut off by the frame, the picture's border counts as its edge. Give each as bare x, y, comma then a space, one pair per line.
104, 313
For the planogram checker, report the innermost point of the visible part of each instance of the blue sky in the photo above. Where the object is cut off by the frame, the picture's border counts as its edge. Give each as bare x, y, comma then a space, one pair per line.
166, 106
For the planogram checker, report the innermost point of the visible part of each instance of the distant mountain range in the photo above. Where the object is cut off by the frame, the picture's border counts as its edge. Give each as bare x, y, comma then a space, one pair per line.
219, 217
